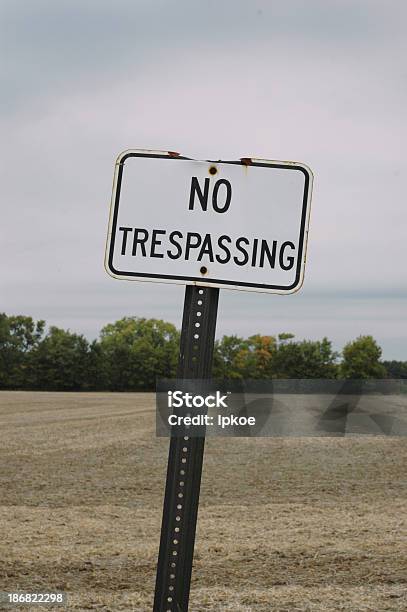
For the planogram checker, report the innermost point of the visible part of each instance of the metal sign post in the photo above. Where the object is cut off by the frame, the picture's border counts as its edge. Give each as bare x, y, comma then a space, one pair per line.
185, 460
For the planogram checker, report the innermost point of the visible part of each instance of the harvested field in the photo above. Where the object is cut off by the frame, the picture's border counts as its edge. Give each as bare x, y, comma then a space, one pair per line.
311, 524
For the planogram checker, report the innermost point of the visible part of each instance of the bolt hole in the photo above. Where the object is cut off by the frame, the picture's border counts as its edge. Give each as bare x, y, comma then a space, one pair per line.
203, 270
200, 291
196, 336
212, 170
199, 302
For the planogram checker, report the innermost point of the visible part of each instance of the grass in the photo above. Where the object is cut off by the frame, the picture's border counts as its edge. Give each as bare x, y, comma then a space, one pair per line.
311, 524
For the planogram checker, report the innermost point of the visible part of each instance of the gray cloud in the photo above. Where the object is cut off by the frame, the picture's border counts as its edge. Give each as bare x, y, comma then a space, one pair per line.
323, 83
51, 46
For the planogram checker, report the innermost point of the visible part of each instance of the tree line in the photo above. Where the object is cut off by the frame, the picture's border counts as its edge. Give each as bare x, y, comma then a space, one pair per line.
131, 353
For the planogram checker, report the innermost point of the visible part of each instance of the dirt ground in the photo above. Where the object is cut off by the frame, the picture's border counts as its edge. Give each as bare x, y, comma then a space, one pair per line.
311, 524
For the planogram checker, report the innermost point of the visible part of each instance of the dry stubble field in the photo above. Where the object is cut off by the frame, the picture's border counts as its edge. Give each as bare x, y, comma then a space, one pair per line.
285, 524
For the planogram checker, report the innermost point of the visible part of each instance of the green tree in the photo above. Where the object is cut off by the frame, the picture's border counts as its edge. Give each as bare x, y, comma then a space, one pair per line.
259, 357
19, 336
97, 375
60, 362
137, 350
305, 359
226, 357
395, 369
361, 359
285, 337
236, 358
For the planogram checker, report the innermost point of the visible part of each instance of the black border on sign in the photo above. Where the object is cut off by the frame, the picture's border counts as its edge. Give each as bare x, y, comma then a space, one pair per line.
196, 279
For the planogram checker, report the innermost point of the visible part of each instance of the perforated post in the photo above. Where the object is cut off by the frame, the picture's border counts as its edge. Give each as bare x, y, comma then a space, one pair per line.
185, 459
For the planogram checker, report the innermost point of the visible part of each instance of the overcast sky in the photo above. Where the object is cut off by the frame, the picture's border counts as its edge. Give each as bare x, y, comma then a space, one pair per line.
317, 81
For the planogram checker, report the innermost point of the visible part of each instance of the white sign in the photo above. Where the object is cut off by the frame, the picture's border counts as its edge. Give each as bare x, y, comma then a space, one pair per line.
232, 224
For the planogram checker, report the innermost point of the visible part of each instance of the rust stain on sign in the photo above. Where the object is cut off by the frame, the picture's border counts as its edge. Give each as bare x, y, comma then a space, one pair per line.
246, 162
